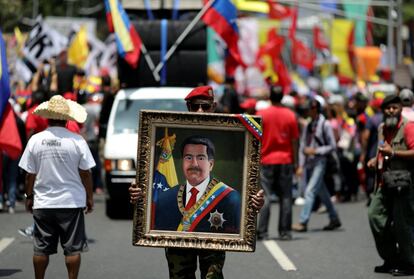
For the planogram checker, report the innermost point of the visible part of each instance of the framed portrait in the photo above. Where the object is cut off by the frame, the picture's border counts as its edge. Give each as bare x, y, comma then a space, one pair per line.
198, 173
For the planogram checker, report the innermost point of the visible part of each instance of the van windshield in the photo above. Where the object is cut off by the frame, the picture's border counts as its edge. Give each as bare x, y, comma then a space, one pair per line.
127, 112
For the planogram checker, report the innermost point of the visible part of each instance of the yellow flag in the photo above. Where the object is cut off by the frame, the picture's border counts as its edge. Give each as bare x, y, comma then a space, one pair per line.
19, 37
166, 165
252, 6
340, 33
78, 50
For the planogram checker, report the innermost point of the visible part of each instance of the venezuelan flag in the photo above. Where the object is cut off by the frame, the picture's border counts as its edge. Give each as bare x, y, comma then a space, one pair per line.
10, 142
127, 39
165, 175
222, 17
4, 77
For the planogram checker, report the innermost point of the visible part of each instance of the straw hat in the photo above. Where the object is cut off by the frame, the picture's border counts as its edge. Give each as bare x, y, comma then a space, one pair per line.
60, 108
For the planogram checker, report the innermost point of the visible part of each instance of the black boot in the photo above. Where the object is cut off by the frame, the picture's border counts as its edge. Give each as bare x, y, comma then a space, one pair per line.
333, 225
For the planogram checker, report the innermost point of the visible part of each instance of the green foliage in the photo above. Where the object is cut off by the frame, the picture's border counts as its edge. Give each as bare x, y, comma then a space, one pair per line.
13, 12
408, 11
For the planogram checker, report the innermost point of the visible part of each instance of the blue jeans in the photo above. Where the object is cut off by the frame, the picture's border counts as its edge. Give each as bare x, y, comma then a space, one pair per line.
316, 186
10, 173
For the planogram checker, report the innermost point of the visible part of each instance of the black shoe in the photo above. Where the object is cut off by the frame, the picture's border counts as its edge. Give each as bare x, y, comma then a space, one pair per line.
385, 268
333, 225
261, 237
285, 236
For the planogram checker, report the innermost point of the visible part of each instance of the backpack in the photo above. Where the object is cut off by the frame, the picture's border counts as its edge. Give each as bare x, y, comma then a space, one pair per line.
332, 159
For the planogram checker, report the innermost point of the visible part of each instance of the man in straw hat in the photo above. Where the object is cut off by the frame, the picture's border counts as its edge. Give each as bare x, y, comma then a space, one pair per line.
58, 185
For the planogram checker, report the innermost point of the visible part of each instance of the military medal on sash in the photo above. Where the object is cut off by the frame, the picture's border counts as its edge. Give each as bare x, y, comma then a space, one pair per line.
216, 219
214, 193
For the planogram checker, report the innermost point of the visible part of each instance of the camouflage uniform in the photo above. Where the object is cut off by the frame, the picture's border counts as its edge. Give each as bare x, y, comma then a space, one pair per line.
182, 263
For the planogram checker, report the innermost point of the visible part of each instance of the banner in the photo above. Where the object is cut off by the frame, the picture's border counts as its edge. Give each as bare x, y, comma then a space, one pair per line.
43, 42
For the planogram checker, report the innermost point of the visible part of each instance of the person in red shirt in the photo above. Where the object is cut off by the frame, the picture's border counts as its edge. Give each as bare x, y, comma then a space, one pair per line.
34, 123
279, 159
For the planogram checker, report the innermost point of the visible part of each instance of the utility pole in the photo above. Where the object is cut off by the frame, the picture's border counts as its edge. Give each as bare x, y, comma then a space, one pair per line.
35, 9
399, 28
390, 35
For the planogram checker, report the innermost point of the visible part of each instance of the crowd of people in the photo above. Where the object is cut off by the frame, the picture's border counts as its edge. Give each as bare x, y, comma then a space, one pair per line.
340, 147
318, 148
56, 77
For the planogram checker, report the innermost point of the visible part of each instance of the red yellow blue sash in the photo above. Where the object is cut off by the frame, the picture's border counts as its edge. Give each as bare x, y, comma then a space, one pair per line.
251, 125
219, 191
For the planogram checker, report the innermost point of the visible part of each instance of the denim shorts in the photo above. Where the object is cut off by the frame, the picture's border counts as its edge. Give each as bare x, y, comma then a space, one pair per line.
64, 224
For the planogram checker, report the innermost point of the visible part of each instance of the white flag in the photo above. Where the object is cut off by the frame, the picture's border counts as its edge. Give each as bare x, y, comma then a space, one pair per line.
43, 43
109, 56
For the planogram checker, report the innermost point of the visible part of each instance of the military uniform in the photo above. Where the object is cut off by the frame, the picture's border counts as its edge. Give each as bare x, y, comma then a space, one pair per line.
217, 211
391, 215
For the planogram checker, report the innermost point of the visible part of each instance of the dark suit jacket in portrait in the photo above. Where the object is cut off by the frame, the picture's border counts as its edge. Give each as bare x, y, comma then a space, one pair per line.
217, 211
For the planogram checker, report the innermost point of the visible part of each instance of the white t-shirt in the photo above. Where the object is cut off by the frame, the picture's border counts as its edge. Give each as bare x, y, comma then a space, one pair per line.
55, 156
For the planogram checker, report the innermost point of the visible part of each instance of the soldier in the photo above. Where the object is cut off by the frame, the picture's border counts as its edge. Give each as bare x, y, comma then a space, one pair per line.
182, 263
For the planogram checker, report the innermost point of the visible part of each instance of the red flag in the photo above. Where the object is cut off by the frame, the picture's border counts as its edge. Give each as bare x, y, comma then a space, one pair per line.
293, 26
278, 11
10, 141
319, 39
274, 44
284, 79
370, 28
273, 48
302, 55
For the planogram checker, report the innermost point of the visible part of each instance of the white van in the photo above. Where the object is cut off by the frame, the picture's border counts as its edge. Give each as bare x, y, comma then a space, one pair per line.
120, 151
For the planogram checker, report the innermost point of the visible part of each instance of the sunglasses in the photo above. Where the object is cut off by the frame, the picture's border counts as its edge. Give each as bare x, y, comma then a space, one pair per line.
196, 107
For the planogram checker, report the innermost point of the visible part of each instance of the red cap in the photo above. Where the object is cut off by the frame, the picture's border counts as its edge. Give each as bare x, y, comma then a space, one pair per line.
70, 96
204, 92
248, 103
376, 103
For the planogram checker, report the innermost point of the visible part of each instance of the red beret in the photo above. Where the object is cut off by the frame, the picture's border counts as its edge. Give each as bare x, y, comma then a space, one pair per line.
205, 92
248, 103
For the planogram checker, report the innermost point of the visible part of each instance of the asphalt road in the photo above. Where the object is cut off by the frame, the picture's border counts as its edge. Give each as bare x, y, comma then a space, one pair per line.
348, 253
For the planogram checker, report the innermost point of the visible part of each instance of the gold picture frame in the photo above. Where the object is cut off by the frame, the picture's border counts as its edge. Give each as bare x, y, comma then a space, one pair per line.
236, 162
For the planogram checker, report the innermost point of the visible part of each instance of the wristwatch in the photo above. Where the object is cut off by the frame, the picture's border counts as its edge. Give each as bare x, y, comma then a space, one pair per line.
28, 196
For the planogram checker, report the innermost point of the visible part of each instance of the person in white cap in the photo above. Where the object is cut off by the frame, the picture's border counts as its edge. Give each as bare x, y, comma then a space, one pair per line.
407, 100
58, 185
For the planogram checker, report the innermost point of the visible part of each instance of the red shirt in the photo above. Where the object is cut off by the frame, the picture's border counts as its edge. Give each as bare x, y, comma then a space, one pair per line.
408, 135
280, 127
35, 122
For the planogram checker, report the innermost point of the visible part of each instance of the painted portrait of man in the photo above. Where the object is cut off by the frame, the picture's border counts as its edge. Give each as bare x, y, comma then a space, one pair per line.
201, 203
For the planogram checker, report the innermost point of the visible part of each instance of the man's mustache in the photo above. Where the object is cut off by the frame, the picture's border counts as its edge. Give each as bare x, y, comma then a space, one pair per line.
194, 169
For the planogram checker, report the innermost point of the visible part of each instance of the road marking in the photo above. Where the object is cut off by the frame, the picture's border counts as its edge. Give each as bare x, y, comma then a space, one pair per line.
279, 255
4, 242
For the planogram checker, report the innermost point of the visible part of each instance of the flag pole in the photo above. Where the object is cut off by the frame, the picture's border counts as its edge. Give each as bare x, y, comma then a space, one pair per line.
150, 63
183, 35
